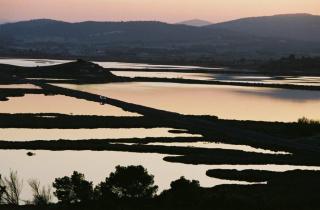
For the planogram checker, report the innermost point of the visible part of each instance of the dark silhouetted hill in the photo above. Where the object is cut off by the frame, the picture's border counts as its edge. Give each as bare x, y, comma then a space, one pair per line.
303, 27
151, 41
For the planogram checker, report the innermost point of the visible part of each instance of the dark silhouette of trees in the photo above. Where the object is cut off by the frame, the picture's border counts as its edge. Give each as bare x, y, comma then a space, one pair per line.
74, 189
2, 191
293, 64
128, 182
183, 194
41, 196
132, 188
10, 189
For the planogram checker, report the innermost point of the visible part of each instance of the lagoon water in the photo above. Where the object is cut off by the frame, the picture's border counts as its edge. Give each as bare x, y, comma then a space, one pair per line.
47, 165
21, 134
115, 65
213, 145
227, 102
250, 78
247, 78
32, 103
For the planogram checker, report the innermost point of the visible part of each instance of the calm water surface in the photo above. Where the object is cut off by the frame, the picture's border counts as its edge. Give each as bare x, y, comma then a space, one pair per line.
228, 102
21, 134
116, 65
299, 80
47, 165
213, 145
34, 103
20, 86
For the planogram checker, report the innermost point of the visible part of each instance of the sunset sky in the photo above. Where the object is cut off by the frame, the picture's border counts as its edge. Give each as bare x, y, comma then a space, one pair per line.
163, 10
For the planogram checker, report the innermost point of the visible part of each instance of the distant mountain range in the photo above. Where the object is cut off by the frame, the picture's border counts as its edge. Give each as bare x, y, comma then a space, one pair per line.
258, 37
304, 27
195, 22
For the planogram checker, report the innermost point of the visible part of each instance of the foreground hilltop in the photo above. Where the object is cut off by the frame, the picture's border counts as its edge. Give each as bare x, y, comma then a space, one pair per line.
80, 70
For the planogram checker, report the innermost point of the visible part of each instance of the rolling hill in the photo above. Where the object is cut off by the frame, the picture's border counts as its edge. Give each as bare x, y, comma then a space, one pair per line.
303, 27
261, 37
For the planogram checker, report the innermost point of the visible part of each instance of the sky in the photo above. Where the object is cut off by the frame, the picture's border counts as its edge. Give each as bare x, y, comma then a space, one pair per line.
163, 10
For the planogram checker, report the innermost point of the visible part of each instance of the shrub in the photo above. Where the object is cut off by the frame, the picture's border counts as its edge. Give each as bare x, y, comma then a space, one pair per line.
10, 189
129, 182
41, 196
73, 189
307, 121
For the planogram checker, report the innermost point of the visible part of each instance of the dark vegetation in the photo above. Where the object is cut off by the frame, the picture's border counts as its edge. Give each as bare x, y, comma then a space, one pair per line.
133, 187
245, 175
293, 65
308, 122
73, 189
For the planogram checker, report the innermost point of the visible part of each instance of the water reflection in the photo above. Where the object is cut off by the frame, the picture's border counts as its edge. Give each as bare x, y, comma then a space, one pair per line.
254, 78
116, 65
32, 103
229, 102
19, 86
31, 62
213, 145
293, 95
247, 78
244, 78
47, 165
21, 134
168, 75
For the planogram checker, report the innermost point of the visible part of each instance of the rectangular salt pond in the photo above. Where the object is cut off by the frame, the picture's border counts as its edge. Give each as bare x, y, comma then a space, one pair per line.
227, 102
32, 103
47, 165
20, 86
22, 134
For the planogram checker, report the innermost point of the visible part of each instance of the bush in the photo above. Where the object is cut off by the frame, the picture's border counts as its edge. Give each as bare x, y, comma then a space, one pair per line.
74, 189
10, 189
307, 121
42, 196
128, 182
183, 194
